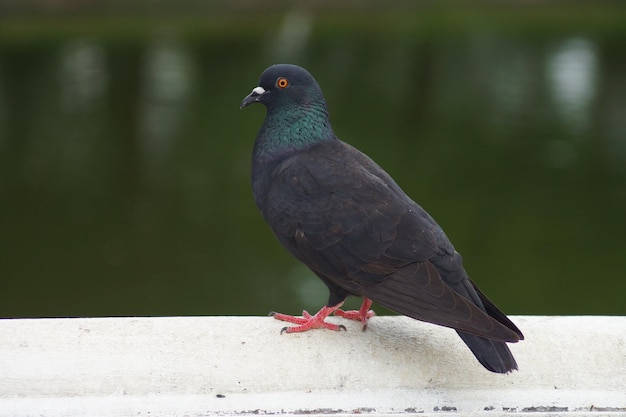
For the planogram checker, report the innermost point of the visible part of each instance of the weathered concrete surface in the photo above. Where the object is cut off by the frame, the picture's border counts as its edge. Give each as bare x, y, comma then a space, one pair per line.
197, 366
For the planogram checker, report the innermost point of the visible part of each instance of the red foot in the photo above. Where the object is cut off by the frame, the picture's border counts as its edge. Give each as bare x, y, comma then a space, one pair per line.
307, 321
361, 314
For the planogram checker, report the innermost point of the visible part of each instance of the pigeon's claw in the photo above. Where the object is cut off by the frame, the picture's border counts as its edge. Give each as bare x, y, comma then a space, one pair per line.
308, 322
362, 314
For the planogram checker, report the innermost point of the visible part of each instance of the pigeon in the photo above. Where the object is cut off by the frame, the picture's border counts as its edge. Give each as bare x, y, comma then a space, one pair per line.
339, 213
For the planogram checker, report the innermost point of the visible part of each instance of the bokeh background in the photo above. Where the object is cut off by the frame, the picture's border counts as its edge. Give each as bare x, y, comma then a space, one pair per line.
125, 160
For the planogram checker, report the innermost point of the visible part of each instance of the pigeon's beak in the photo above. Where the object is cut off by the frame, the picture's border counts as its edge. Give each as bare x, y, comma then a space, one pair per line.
253, 97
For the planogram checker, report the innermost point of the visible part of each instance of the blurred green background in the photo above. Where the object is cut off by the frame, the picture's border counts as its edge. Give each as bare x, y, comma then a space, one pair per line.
125, 160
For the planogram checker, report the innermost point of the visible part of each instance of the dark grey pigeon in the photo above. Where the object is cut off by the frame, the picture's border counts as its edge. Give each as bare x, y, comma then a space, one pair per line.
344, 217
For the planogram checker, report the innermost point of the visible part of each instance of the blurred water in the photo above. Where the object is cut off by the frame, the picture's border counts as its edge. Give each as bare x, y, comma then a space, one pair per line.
124, 163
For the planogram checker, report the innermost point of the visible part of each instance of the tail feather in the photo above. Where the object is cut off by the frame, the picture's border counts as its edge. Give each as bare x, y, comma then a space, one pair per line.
494, 356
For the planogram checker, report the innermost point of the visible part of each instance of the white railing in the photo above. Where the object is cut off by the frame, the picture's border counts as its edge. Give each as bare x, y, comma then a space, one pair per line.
200, 366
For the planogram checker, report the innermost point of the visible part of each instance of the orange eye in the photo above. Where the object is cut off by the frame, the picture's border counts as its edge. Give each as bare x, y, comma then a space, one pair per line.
282, 82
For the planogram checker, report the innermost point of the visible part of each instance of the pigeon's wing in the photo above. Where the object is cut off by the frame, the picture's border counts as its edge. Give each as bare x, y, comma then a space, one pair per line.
343, 216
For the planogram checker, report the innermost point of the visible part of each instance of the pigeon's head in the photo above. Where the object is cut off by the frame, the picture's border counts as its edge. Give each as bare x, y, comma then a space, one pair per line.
285, 85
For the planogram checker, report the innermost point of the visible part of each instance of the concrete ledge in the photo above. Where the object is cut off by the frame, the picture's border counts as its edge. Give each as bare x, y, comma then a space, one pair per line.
200, 366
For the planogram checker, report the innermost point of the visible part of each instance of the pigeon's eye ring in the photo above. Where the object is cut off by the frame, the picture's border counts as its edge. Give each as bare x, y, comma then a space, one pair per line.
282, 82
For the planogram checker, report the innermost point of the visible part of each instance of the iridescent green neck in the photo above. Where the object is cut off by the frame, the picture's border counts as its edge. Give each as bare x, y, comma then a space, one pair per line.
288, 129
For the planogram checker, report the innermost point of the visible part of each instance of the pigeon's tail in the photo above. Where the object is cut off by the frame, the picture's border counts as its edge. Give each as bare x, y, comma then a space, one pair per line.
493, 355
